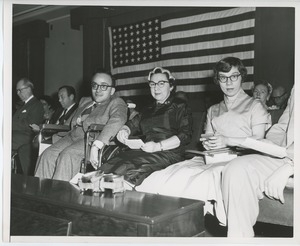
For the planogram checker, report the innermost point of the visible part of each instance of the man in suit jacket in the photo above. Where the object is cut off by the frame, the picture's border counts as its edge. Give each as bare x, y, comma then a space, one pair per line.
247, 177
63, 115
66, 97
31, 112
62, 159
28, 153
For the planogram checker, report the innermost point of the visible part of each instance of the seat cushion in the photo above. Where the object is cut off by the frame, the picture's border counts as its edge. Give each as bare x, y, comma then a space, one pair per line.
274, 212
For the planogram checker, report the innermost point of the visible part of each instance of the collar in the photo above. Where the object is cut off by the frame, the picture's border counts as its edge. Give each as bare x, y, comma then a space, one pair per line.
69, 107
28, 99
234, 98
167, 101
95, 103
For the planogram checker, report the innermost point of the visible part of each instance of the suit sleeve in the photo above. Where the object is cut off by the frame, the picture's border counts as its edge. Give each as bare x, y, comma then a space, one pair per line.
69, 116
34, 115
80, 107
134, 125
117, 118
277, 133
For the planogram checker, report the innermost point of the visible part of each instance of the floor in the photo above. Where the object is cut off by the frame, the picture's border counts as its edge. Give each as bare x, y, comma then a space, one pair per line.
213, 229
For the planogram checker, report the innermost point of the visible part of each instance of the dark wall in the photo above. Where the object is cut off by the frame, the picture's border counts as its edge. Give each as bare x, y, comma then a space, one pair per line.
275, 46
29, 55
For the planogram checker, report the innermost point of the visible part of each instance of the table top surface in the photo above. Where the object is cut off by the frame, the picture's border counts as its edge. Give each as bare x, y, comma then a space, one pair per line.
133, 204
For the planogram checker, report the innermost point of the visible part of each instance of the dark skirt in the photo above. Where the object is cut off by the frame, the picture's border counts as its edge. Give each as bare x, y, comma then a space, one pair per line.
136, 165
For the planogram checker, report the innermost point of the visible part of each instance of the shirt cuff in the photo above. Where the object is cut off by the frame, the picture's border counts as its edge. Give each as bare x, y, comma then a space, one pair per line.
98, 144
126, 128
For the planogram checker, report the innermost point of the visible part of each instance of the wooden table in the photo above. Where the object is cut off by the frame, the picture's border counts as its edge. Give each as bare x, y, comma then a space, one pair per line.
52, 207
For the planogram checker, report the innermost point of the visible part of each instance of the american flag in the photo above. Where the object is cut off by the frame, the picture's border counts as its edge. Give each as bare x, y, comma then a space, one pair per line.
187, 43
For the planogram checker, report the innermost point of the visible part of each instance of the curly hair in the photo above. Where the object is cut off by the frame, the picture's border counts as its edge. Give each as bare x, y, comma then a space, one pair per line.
170, 77
225, 66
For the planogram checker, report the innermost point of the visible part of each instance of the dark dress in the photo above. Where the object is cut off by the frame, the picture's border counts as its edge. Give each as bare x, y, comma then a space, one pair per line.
157, 122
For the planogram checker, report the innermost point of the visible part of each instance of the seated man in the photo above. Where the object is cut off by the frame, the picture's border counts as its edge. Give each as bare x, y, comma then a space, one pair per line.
278, 102
279, 98
31, 112
61, 116
247, 177
62, 159
66, 98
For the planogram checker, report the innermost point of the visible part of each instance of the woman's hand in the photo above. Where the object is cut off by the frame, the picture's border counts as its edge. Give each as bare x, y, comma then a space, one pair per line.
274, 185
151, 147
122, 135
215, 142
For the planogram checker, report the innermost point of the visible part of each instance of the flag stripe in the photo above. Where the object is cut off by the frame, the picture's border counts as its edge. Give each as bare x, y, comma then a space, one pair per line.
204, 62
198, 24
208, 45
173, 19
177, 19
189, 89
208, 87
179, 82
190, 45
208, 52
209, 37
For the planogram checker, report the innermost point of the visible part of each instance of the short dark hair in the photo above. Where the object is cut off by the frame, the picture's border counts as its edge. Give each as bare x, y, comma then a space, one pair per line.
225, 66
70, 90
101, 70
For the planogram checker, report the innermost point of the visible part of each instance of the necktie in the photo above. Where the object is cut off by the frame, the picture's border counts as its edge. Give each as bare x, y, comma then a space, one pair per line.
61, 119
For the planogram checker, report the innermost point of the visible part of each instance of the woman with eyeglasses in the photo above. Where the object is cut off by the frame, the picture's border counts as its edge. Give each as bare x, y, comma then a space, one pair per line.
166, 125
238, 116
228, 123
